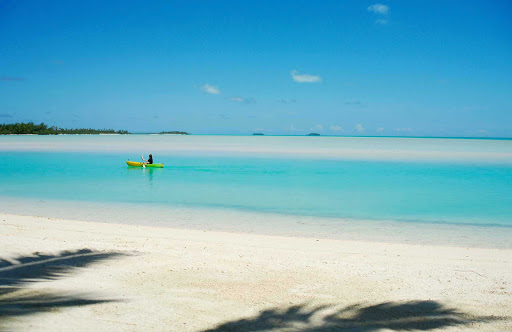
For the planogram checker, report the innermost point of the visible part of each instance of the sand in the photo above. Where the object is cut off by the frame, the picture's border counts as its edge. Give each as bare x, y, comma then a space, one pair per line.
88, 276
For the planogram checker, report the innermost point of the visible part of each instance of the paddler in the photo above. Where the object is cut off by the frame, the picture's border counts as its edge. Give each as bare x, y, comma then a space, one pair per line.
150, 159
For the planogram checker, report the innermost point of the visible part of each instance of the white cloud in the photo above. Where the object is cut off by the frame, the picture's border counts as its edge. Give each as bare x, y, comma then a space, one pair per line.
406, 130
378, 9
336, 128
244, 100
318, 127
380, 130
293, 128
381, 21
305, 78
286, 101
359, 127
210, 89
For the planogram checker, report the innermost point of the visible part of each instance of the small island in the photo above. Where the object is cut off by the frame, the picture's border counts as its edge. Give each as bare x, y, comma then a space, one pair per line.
313, 134
30, 128
258, 134
173, 133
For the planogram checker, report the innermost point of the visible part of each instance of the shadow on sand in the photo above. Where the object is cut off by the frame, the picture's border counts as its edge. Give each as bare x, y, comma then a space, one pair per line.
412, 315
16, 299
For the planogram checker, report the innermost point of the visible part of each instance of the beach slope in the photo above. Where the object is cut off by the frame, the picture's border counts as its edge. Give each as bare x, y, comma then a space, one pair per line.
75, 275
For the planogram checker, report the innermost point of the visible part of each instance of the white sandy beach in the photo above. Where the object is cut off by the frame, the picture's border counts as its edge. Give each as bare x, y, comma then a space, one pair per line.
139, 278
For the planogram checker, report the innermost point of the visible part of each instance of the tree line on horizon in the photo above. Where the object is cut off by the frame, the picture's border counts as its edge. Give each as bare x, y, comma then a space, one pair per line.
175, 132
43, 129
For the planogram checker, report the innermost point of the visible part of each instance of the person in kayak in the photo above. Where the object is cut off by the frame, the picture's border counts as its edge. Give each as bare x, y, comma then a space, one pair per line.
150, 159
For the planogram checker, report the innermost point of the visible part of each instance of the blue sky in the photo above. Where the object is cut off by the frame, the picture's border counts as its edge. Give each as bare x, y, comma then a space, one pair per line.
434, 68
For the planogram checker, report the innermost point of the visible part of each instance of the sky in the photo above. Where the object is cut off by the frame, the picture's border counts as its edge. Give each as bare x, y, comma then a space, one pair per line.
344, 67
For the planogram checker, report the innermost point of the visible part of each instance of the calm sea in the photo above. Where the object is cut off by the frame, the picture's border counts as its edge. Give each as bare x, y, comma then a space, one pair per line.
330, 184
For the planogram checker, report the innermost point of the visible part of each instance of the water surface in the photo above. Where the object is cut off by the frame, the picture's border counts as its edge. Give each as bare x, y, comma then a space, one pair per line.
460, 187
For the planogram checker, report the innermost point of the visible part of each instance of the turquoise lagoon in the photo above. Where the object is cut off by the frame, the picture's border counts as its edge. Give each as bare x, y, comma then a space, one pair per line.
313, 186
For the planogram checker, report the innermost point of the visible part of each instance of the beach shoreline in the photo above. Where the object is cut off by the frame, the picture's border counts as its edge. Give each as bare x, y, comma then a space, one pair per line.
265, 223
162, 278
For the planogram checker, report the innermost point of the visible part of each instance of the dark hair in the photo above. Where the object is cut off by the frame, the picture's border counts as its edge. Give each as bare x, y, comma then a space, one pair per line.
150, 155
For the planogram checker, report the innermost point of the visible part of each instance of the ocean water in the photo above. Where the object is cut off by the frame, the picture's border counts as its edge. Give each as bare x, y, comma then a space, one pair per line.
334, 183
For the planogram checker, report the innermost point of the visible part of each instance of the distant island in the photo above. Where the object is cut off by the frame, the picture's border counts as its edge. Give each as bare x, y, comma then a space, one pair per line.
313, 134
258, 134
174, 132
43, 129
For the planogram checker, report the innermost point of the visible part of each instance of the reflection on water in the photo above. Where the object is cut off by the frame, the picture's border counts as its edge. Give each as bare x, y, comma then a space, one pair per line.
144, 172
148, 172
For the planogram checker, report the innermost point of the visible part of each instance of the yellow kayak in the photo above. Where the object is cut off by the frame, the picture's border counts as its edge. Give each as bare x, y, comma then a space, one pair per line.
137, 164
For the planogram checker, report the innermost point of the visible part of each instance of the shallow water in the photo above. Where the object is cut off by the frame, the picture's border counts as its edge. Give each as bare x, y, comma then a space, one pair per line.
460, 187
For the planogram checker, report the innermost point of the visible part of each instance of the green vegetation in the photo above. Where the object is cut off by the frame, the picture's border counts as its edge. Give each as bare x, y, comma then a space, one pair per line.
43, 129
174, 132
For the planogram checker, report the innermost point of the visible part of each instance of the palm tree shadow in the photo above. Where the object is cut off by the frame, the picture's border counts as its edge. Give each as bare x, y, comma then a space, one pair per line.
16, 274
411, 315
